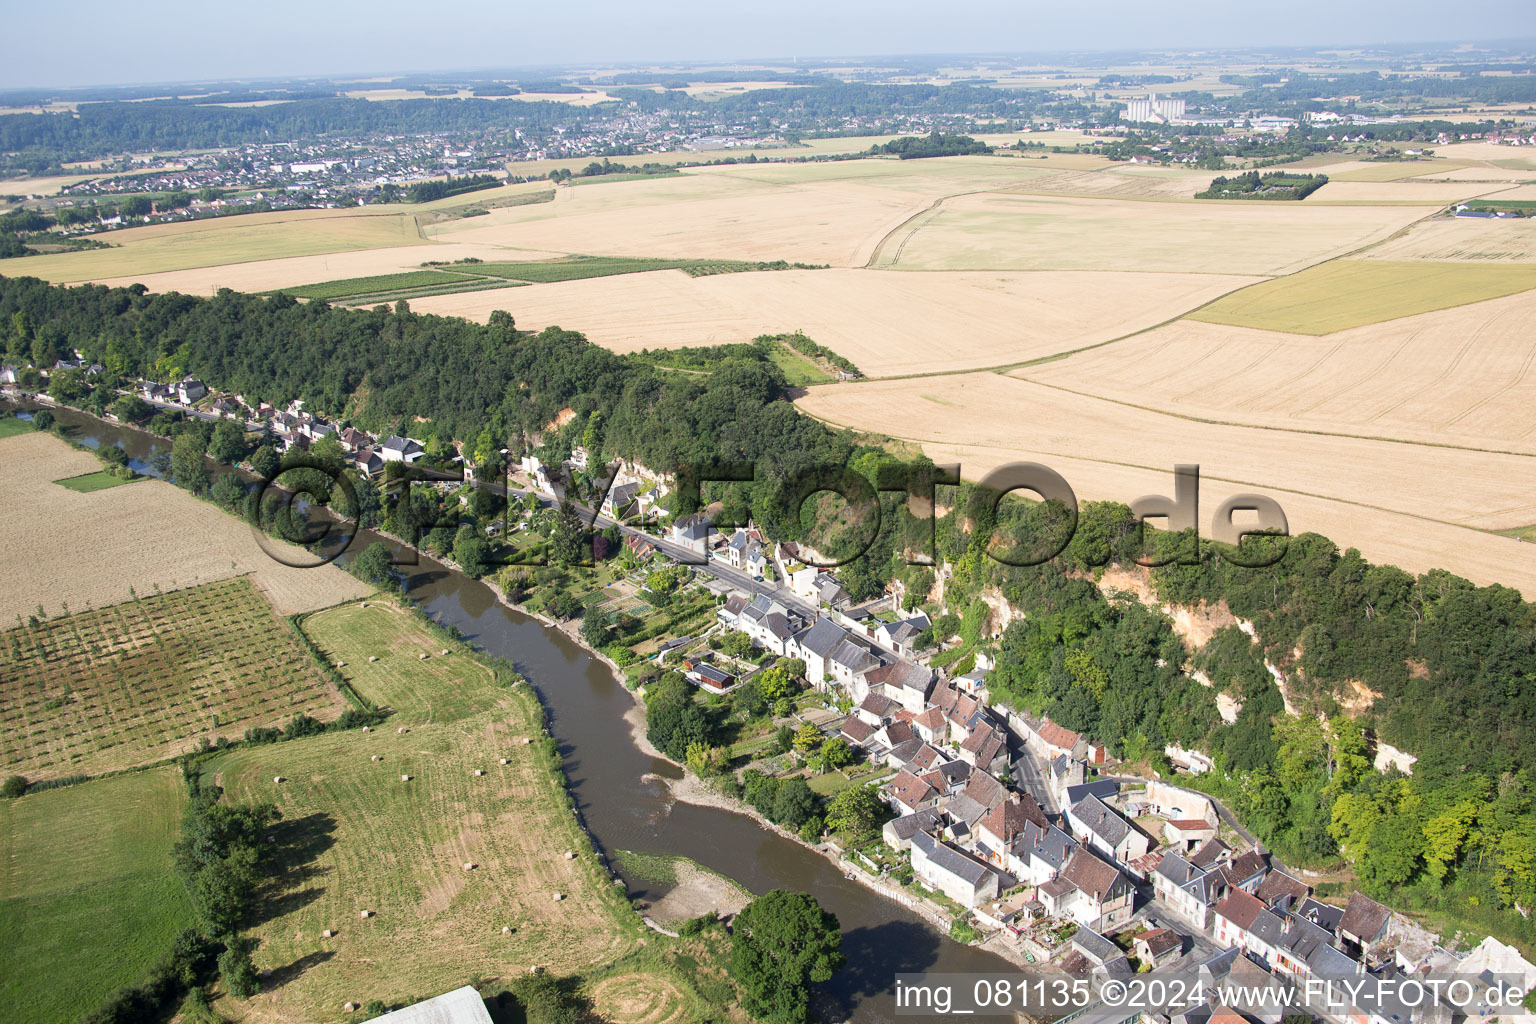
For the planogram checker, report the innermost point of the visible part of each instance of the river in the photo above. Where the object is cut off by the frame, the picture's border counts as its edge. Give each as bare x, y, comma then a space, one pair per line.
624, 809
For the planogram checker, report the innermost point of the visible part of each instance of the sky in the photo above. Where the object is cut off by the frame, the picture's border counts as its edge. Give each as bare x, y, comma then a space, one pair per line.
181, 40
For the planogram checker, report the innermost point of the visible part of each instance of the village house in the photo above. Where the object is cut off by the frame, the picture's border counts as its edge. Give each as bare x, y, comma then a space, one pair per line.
901, 636
691, 532
1191, 891
953, 872
909, 794
190, 389
832, 657
709, 677
1090, 891
1103, 829
1158, 946
368, 462
999, 827
400, 449
898, 832
619, 501
1364, 923
638, 546
1039, 852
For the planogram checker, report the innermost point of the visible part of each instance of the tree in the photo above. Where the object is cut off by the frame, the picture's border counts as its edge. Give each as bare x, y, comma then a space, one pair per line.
594, 626
265, 462
567, 544
703, 760
236, 969
793, 802
774, 684
856, 812
471, 551
835, 753
373, 565
187, 467
13, 787
807, 738
784, 738
781, 943
227, 445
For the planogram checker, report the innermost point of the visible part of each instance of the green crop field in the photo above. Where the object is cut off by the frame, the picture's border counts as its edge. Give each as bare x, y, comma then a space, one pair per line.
141, 681
581, 267
100, 480
398, 847
358, 286
1342, 294
88, 901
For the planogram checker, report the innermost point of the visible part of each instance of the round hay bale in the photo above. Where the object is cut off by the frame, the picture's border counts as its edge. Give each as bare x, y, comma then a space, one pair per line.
423, 656
364, 914
468, 866
535, 969
527, 740
405, 778
367, 728
375, 757
445, 651
479, 772
570, 855
348, 1007
327, 934
400, 731
504, 761
559, 896
372, 658
276, 779
506, 930
341, 664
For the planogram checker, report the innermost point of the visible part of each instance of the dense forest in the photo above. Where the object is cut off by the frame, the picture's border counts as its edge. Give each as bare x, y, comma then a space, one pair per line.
1367, 654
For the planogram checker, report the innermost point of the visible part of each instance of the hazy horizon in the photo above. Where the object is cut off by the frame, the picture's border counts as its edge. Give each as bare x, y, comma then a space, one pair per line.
183, 42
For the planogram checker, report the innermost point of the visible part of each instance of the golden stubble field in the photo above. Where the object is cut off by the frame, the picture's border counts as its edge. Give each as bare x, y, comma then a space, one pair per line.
1025, 232
1463, 376
1413, 505
1505, 240
887, 323
59, 545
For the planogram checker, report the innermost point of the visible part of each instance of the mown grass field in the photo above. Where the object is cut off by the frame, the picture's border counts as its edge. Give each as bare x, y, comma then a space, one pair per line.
1351, 293
100, 480
141, 681
398, 848
88, 900
10, 426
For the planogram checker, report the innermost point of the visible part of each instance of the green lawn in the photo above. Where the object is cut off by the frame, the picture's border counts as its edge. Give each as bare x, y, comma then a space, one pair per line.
10, 426
797, 368
831, 782
88, 900
100, 480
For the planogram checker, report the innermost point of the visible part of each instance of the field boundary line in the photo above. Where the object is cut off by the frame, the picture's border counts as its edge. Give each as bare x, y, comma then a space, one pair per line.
1210, 421
1164, 469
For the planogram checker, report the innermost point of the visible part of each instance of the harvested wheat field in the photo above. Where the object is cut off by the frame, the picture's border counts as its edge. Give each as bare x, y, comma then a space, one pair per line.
1351, 293
1503, 240
393, 837
1400, 191
88, 549
810, 213
1118, 181
1373, 170
144, 680
1490, 152
1019, 232
886, 323
1464, 376
1357, 491
207, 243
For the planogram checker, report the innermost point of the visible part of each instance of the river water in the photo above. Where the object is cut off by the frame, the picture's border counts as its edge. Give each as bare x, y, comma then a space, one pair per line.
623, 808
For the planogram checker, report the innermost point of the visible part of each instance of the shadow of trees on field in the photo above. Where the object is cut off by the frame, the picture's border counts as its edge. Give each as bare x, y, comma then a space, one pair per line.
296, 846
281, 976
